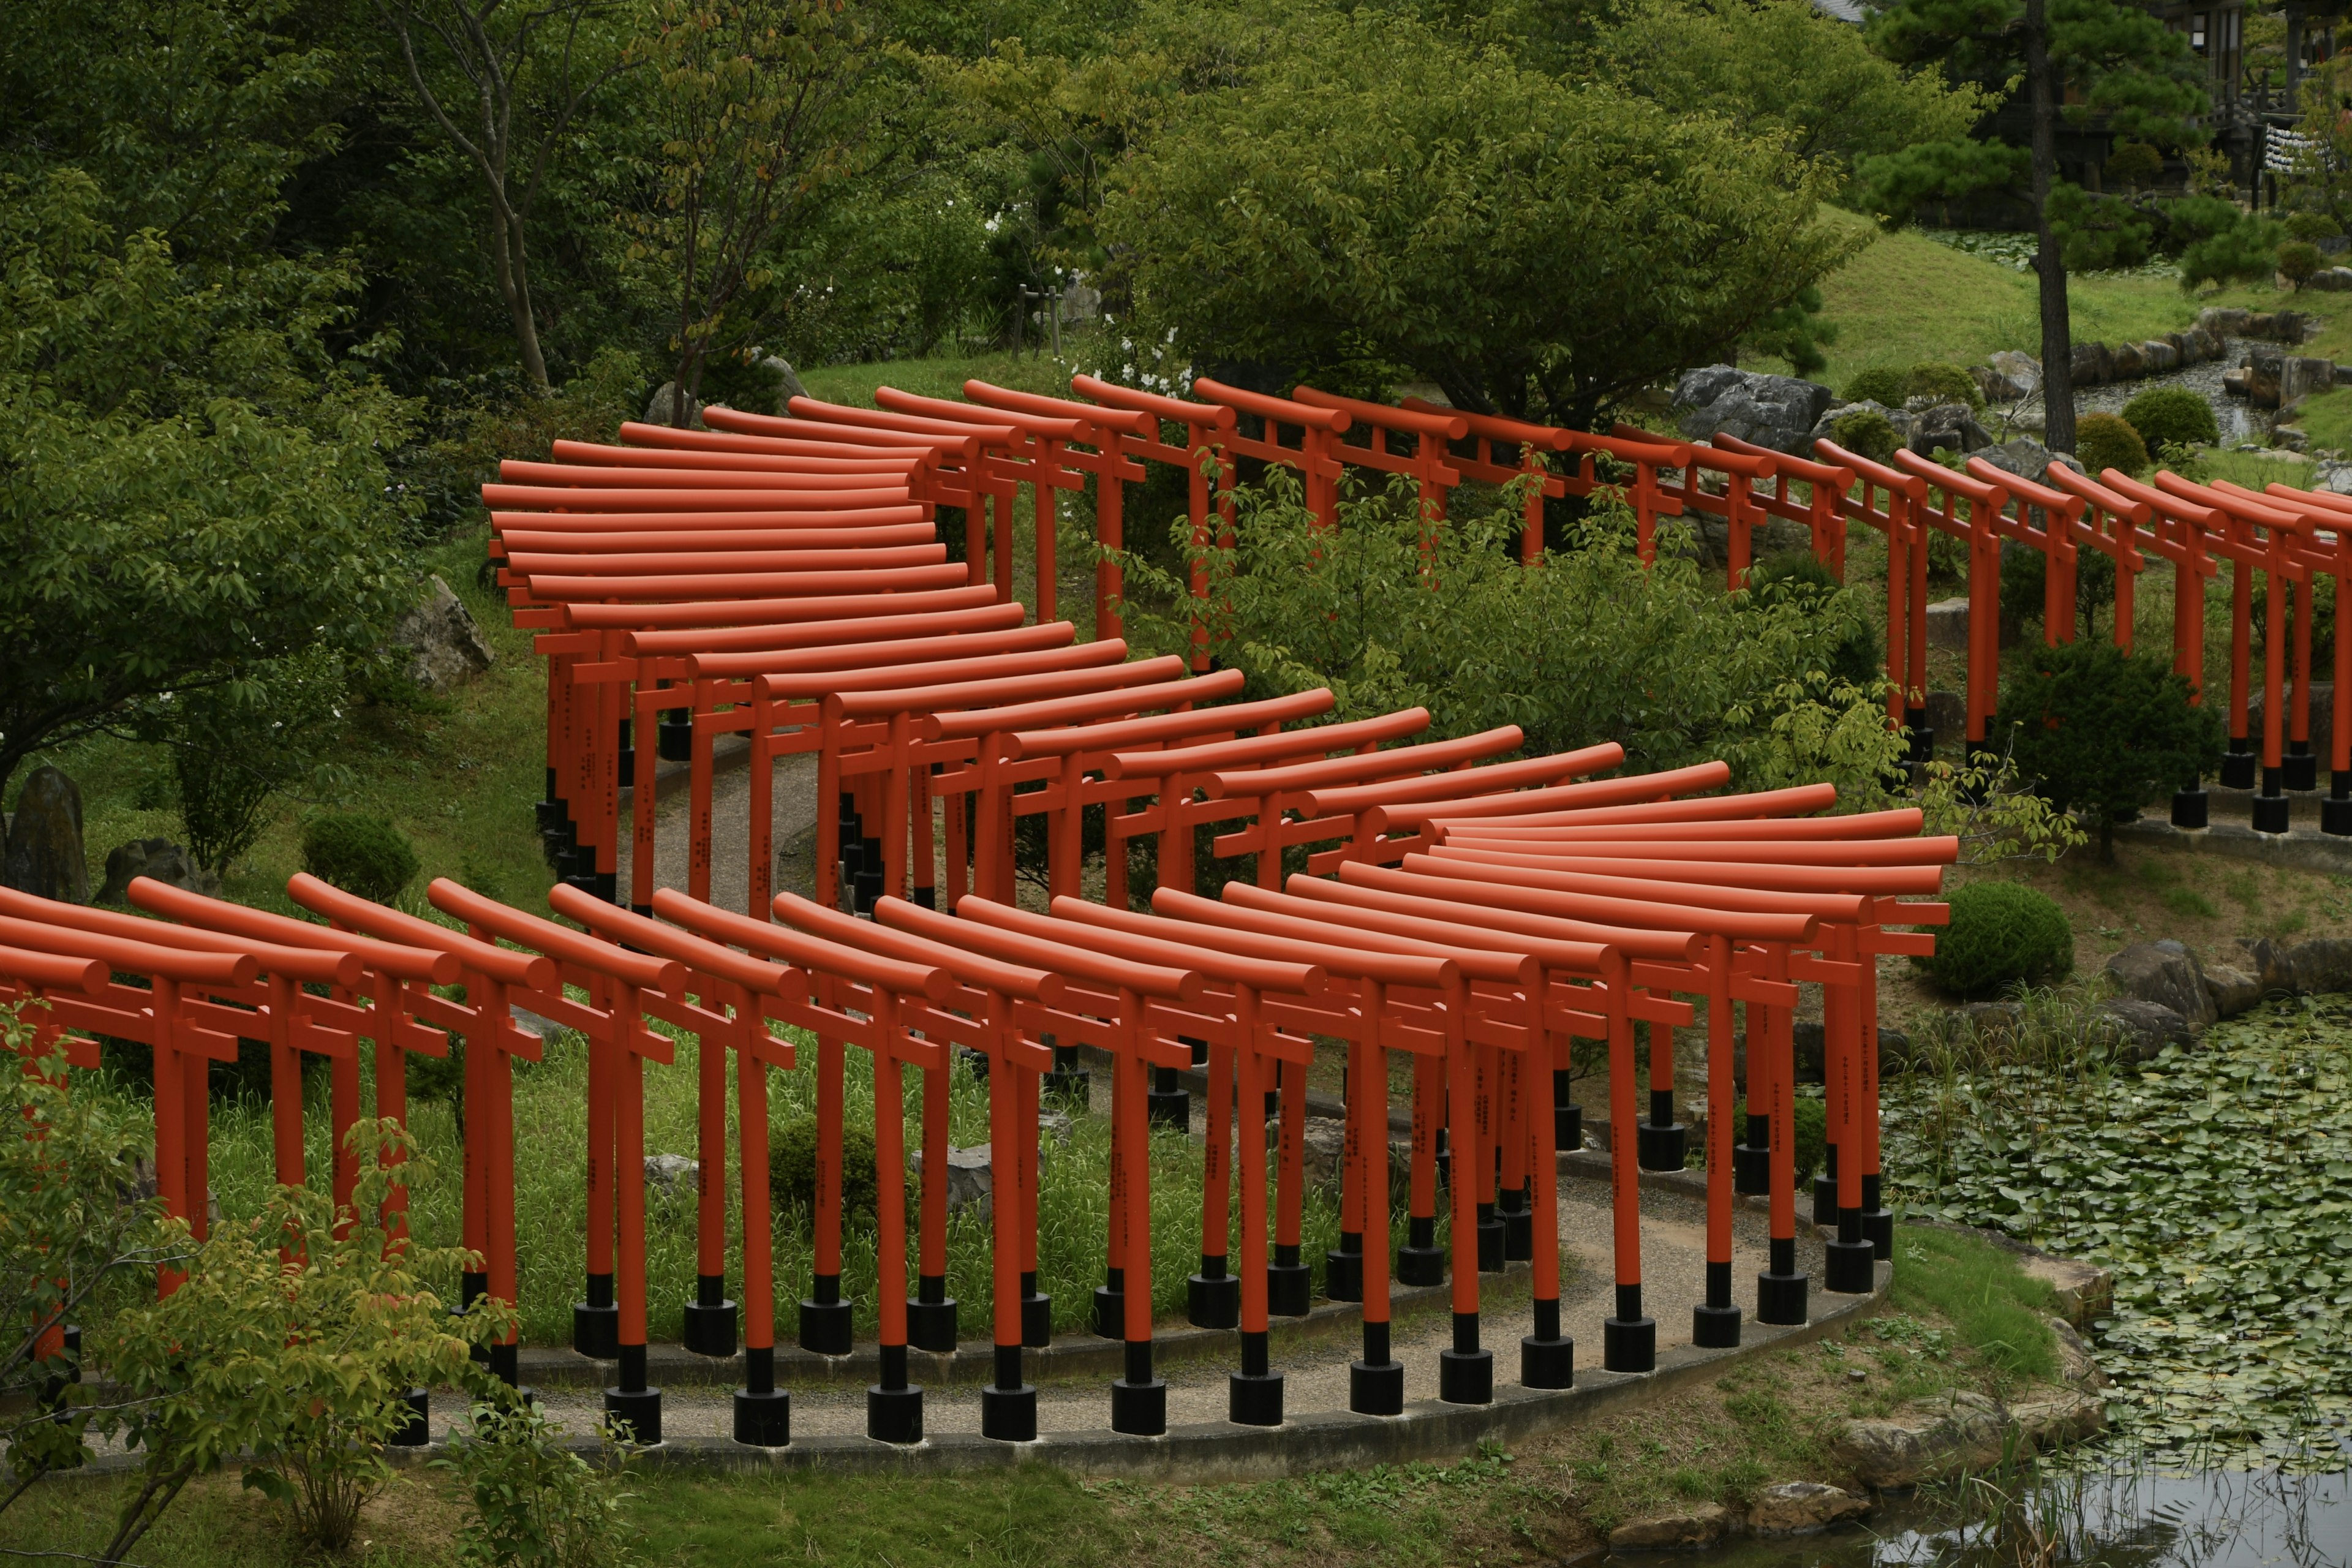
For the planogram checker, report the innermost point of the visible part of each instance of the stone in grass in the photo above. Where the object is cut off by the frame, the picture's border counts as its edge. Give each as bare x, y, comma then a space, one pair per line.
1323, 1142
2234, 990
1948, 1434
670, 1175
1703, 1524
43, 855
2324, 963
1803, 1507
971, 1177
2167, 973
157, 858
2076, 1364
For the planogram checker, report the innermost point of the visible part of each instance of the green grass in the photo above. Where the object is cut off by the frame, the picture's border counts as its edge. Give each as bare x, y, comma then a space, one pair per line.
2328, 418
944, 376
1996, 1307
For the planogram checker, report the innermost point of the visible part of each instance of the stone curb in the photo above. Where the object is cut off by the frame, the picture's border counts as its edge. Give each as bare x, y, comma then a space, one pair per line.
1221, 1451
2301, 850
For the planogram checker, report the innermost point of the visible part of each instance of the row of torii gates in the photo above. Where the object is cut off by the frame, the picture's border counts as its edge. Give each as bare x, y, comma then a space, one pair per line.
781, 579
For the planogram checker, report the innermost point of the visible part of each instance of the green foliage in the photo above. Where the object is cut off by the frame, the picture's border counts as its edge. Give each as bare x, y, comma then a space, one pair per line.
1891, 186
236, 746
792, 1166
2172, 415
2000, 1310
1881, 384
2312, 226
532, 1503
1594, 647
197, 489
1867, 433
1375, 197
2002, 934
2098, 232
2133, 164
2247, 252
1943, 381
2105, 441
1783, 69
1810, 1121
1798, 579
2104, 731
1795, 332
359, 854
2298, 260
294, 1338
2024, 584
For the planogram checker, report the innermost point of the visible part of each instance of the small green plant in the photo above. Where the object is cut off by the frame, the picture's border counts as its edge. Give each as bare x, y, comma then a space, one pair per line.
1866, 433
530, 1502
1944, 381
2298, 260
2312, 226
2172, 414
2105, 441
359, 854
792, 1166
2102, 731
2001, 934
1810, 1120
1880, 384
2133, 165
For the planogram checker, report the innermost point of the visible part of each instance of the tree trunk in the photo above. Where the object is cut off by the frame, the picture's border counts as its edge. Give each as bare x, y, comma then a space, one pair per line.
511, 266
2057, 332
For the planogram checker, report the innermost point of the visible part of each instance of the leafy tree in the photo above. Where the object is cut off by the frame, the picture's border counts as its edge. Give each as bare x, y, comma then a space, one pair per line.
195, 485
505, 84
755, 102
2298, 260
1375, 197
2107, 58
238, 745
2134, 163
1783, 69
2104, 731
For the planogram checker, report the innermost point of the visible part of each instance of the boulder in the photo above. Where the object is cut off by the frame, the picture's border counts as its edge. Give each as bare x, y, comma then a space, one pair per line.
1949, 426
659, 408
1803, 1507
1323, 1148
2301, 376
2089, 363
787, 379
2159, 356
2075, 1362
1992, 1017
2290, 438
971, 1177
2046, 1423
159, 859
2026, 457
2324, 963
1947, 624
1703, 1524
2082, 1291
1710, 539
2330, 280
2020, 370
1928, 1438
2222, 321
1947, 714
1775, 411
43, 855
2165, 972
2323, 713
671, 1174
445, 645
1053, 1124
2141, 1028
2207, 344
2268, 964
2261, 324
2126, 363
2295, 326
2265, 368
2232, 990
2238, 383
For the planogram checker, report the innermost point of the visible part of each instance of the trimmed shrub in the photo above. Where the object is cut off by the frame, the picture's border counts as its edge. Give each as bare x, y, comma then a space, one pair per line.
1812, 1118
359, 854
792, 1166
2298, 259
2133, 165
2101, 733
1880, 384
1944, 381
2311, 226
2103, 441
2172, 415
1866, 433
2002, 934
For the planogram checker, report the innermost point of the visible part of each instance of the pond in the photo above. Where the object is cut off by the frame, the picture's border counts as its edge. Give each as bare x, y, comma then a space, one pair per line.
2215, 1181
2219, 1518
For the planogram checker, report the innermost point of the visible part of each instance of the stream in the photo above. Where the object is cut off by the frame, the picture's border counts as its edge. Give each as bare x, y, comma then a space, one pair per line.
2239, 420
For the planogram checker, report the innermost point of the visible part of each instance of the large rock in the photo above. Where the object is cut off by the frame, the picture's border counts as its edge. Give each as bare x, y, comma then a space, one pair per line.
787, 379
672, 1174
1323, 1148
2089, 363
2330, 280
1947, 714
2323, 713
2026, 457
1775, 411
445, 645
2141, 1028
2266, 369
2020, 370
2126, 363
44, 855
158, 858
971, 1178
2232, 990
1703, 1524
2268, 964
2324, 963
664, 402
1803, 1507
2222, 321
1923, 1440
2046, 1423
2167, 973
2207, 346
2159, 356
2301, 376
2076, 1364
1947, 624
1949, 426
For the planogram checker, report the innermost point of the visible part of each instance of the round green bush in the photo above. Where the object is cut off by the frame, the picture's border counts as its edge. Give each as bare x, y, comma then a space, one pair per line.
2172, 415
2312, 226
1866, 433
1880, 384
2001, 935
2298, 259
2133, 164
2103, 441
1811, 1117
1944, 381
792, 1166
359, 854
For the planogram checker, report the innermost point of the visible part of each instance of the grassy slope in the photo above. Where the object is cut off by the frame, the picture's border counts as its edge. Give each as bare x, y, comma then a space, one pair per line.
1963, 1315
